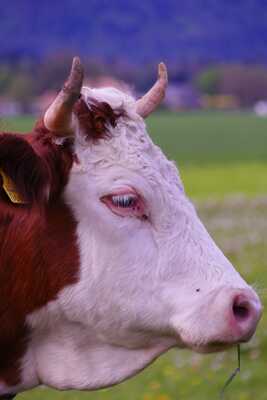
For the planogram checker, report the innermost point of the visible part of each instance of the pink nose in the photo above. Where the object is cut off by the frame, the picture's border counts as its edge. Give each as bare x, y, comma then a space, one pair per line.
245, 313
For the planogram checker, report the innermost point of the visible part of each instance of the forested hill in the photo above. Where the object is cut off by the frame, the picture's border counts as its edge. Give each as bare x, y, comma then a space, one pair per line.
136, 31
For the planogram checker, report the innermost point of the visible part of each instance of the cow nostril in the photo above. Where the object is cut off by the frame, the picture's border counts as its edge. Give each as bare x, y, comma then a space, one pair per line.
241, 309
240, 312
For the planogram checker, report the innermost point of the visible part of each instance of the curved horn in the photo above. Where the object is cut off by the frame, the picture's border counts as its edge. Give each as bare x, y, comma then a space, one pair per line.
59, 118
151, 100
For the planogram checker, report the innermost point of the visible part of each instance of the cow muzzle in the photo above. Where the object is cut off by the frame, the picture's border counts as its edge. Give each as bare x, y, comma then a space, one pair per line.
223, 318
239, 318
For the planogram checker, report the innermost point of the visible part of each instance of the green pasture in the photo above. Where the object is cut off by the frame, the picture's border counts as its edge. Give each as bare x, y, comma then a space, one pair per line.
223, 162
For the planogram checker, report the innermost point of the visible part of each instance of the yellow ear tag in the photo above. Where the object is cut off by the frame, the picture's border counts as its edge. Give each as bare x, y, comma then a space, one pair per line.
10, 189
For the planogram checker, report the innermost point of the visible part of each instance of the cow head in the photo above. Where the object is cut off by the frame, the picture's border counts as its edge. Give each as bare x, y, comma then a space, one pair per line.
150, 276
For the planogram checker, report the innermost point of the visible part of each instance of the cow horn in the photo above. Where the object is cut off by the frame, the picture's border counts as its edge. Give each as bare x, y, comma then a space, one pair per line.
59, 117
151, 100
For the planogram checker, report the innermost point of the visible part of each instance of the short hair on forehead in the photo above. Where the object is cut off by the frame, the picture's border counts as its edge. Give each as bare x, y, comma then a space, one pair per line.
95, 118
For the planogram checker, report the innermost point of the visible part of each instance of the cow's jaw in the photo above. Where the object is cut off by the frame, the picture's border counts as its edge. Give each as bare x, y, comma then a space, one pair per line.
72, 358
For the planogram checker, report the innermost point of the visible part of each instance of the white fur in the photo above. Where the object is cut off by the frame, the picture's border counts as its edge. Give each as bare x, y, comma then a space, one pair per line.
136, 296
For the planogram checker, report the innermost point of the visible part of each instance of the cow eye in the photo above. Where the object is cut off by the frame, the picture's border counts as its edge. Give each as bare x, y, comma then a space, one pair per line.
125, 200
126, 203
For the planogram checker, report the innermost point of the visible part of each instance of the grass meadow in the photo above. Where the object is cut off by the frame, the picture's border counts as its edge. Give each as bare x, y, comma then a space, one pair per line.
223, 162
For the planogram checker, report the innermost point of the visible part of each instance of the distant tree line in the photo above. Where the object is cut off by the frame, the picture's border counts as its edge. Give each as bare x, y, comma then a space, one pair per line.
248, 83
24, 80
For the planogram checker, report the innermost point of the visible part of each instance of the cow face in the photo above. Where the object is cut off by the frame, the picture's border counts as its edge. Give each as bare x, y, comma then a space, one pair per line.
146, 259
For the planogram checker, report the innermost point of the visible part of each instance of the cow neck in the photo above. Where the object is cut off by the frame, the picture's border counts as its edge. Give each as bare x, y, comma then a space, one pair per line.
38, 258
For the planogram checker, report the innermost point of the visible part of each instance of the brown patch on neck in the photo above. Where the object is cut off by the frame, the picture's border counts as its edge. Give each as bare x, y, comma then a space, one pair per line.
38, 251
96, 118
38, 258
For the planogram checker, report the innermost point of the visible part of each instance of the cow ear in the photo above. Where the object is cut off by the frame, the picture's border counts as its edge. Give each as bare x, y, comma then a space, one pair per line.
23, 175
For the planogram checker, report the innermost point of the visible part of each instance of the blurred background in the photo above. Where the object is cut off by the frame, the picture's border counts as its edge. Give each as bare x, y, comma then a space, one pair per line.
213, 123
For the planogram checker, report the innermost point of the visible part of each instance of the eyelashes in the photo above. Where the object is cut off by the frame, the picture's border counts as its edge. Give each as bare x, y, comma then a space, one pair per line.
124, 201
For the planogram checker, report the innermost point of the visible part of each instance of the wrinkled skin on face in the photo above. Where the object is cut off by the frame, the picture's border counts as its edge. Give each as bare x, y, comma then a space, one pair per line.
151, 278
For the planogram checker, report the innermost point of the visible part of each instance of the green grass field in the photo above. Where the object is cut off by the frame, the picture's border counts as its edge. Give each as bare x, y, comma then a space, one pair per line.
223, 162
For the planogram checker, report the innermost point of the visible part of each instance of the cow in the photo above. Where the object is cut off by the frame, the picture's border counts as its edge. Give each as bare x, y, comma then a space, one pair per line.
104, 262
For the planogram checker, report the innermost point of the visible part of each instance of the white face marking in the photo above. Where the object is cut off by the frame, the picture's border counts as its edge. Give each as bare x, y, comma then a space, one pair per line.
138, 278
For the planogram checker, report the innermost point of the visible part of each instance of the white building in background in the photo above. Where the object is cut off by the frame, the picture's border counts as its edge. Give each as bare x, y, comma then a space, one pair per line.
260, 108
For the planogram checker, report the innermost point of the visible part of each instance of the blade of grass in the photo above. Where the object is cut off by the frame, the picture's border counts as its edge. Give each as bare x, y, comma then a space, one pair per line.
233, 375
